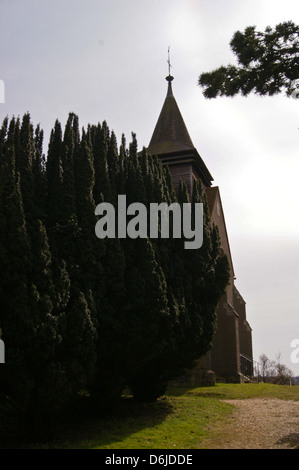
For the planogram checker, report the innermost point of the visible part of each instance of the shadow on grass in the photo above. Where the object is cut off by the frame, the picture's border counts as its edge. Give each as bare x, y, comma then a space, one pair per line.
209, 395
203, 392
292, 440
87, 430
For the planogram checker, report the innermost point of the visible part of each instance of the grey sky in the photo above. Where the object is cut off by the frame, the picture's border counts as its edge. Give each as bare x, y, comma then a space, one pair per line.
106, 60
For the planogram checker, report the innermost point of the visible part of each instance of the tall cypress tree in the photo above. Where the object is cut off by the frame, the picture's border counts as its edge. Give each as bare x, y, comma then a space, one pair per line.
28, 296
39, 174
99, 136
16, 323
70, 148
196, 280
54, 178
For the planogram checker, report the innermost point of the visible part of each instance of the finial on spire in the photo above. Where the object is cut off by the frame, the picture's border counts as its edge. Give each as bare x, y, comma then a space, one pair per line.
169, 64
169, 78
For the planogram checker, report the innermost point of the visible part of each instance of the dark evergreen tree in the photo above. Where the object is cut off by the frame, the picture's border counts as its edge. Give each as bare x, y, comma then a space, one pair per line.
267, 64
25, 161
39, 175
85, 314
70, 149
100, 139
110, 284
17, 323
54, 179
196, 280
74, 244
27, 293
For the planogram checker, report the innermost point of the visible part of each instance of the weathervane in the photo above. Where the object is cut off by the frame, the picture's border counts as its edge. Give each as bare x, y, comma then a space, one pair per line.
169, 78
169, 64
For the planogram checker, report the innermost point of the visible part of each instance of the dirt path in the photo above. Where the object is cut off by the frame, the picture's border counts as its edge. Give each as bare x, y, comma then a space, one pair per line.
259, 424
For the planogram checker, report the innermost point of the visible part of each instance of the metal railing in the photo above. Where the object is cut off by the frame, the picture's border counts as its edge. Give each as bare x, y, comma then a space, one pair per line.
249, 368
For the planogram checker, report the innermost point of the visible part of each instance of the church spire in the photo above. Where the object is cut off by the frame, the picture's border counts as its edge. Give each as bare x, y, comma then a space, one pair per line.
170, 133
171, 141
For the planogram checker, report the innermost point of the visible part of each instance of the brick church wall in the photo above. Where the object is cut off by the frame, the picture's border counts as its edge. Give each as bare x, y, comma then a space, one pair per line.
225, 354
245, 331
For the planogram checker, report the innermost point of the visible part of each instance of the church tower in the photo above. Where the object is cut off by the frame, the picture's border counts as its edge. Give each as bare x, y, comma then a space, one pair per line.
231, 355
172, 142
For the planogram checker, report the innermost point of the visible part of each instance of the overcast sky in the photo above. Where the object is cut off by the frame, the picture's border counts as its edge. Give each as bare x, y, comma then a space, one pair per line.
107, 60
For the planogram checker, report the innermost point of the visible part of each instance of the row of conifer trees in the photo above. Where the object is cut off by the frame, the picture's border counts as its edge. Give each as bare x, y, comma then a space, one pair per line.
81, 314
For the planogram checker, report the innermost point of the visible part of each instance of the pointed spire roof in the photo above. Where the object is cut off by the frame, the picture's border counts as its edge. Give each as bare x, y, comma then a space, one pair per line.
171, 141
170, 134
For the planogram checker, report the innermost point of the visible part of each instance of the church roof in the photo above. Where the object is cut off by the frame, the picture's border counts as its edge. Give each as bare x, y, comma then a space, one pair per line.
171, 140
170, 134
217, 217
211, 194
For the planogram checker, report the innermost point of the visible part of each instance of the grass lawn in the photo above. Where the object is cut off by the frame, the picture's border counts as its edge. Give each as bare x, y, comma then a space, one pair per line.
183, 419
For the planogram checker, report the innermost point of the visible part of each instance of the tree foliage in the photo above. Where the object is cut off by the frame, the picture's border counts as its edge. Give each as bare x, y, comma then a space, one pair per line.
82, 314
268, 63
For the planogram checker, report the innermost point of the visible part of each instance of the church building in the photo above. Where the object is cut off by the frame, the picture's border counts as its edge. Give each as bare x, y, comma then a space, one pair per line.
230, 358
